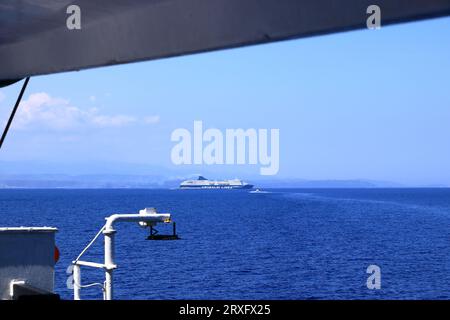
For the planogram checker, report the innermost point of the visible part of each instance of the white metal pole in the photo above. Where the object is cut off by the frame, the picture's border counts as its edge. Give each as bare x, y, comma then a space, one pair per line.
108, 284
109, 262
76, 282
143, 218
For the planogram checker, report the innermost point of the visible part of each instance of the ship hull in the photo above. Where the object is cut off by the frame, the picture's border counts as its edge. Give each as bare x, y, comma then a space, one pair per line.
209, 187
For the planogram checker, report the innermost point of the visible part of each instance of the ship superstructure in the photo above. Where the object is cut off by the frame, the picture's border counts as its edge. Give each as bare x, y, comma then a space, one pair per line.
203, 183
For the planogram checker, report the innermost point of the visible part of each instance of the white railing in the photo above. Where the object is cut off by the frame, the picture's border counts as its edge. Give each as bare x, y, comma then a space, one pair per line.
146, 218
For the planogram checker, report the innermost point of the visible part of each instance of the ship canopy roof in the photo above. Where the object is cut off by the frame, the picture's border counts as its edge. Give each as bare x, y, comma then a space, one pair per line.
35, 40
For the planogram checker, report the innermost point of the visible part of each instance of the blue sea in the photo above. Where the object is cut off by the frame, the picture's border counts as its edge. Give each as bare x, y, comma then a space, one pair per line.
286, 244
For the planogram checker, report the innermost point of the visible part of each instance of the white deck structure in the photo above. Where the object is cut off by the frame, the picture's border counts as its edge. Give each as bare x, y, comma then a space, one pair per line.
27, 257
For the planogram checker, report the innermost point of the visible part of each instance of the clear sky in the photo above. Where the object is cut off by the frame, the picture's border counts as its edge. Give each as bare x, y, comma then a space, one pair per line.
356, 105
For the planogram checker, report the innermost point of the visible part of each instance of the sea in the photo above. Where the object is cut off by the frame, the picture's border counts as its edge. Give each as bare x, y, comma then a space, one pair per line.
283, 244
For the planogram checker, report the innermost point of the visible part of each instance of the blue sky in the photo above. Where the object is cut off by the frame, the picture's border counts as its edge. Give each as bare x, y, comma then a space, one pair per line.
370, 104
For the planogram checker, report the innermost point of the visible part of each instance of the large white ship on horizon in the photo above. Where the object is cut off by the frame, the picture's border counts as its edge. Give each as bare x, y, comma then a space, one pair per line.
203, 183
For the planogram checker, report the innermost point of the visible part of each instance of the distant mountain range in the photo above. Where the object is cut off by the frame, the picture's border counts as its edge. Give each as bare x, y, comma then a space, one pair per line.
155, 181
84, 181
119, 175
301, 183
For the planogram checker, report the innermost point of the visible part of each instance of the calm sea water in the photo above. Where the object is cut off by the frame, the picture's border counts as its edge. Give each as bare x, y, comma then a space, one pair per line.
287, 244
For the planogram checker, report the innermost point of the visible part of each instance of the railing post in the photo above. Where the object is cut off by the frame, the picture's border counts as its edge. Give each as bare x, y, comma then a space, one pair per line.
76, 282
109, 262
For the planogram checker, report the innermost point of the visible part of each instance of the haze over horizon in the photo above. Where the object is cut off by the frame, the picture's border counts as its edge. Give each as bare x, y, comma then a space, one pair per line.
361, 105
112, 175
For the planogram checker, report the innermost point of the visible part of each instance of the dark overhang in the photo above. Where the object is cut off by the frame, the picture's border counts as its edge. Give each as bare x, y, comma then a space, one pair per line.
34, 38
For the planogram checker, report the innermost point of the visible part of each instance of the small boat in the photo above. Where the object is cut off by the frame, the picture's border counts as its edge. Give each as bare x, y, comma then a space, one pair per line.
258, 191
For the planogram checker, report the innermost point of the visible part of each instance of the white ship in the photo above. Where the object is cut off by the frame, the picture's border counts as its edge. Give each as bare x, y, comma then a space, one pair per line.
203, 183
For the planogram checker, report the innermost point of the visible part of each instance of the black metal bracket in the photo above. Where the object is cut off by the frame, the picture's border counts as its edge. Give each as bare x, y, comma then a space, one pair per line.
27, 292
11, 117
155, 236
